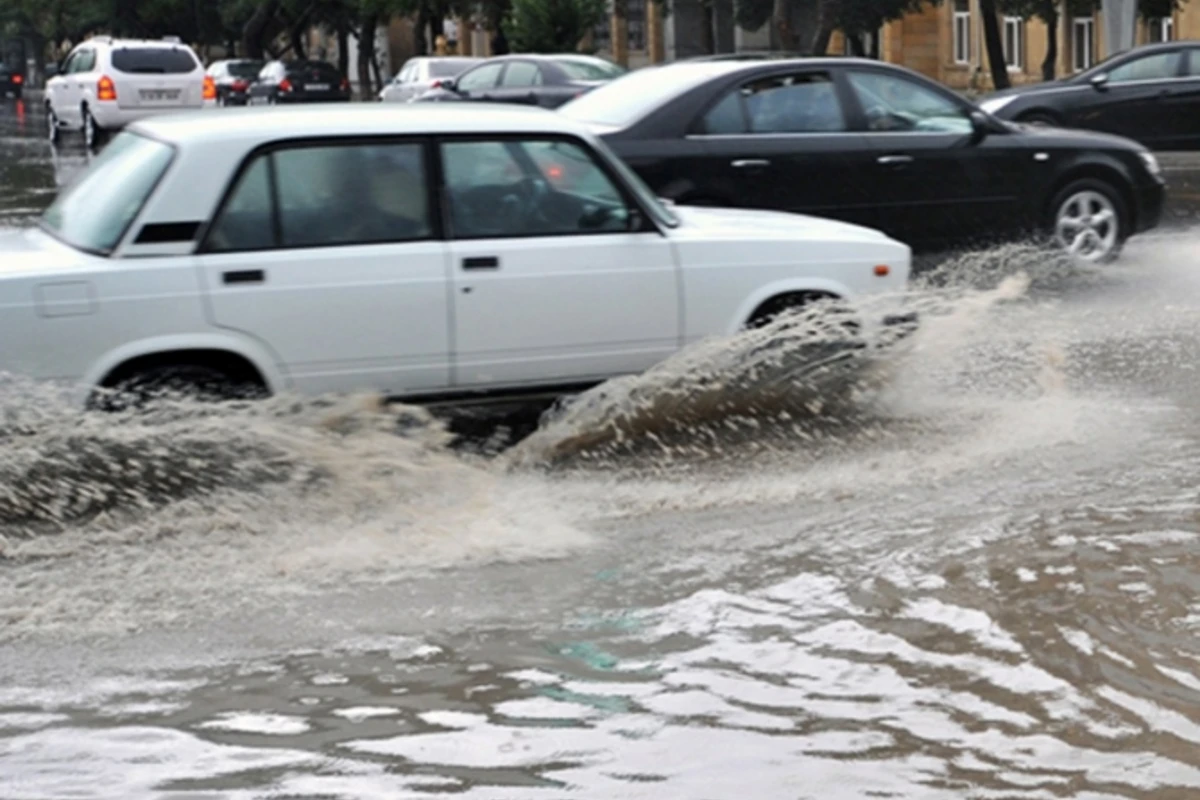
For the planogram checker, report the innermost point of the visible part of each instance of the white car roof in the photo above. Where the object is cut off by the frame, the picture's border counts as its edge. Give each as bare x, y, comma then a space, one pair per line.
366, 119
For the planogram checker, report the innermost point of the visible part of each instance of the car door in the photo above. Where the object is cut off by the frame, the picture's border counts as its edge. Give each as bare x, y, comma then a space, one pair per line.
558, 277
330, 254
784, 141
1185, 104
932, 185
474, 83
519, 83
1135, 100
58, 89
68, 105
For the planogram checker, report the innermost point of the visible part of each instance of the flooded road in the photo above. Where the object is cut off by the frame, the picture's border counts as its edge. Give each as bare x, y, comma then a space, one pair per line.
977, 580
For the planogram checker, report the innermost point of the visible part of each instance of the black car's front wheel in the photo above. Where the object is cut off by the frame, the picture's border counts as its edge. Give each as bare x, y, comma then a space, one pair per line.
1090, 220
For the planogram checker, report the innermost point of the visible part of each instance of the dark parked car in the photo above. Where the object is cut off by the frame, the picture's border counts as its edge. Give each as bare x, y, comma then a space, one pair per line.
12, 81
233, 78
543, 80
873, 144
1151, 94
299, 82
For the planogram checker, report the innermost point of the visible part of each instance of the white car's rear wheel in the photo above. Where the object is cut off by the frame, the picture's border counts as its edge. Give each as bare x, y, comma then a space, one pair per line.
93, 134
51, 125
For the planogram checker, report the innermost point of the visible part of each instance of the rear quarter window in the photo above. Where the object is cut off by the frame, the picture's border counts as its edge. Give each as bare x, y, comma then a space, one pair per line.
153, 60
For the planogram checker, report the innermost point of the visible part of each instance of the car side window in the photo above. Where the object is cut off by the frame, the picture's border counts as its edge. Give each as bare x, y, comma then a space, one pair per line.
535, 187
327, 195
1192, 68
899, 104
804, 103
1154, 67
484, 77
726, 117
522, 73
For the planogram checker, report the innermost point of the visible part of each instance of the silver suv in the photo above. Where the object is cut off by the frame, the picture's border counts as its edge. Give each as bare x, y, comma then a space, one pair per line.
105, 83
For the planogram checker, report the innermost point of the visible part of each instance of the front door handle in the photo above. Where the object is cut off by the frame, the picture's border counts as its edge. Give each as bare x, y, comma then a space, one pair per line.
481, 262
244, 276
894, 160
750, 163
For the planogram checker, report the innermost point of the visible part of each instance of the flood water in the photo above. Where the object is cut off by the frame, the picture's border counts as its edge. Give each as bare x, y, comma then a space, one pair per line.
978, 579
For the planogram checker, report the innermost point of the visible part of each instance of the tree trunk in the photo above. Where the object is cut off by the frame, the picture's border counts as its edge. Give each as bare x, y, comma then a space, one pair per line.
343, 41
1051, 60
420, 30
856, 45
824, 28
781, 20
995, 48
366, 48
708, 40
256, 28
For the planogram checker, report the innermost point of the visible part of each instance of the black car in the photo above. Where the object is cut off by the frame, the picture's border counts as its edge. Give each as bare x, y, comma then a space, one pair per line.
1150, 94
542, 80
233, 78
874, 144
299, 82
12, 81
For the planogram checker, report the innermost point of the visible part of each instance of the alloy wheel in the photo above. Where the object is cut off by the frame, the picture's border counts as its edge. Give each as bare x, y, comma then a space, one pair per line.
1087, 226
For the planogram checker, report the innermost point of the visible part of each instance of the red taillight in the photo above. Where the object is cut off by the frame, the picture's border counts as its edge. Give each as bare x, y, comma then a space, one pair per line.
106, 89
435, 85
240, 86
345, 85
285, 85
210, 88
18, 79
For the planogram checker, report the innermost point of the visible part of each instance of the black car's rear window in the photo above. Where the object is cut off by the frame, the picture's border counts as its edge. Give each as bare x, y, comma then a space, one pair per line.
321, 68
153, 60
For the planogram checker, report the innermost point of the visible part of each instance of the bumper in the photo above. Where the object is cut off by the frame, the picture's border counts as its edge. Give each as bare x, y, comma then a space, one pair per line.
111, 117
312, 98
1150, 201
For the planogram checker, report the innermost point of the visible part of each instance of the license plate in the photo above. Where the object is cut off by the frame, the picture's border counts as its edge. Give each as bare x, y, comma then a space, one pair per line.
158, 95
317, 87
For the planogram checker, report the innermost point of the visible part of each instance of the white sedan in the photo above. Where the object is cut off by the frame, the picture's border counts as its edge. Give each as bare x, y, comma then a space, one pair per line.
425, 251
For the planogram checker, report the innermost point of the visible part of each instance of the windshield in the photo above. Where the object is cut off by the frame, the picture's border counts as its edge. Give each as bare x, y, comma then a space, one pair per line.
245, 69
448, 69
579, 69
94, 213
627, 99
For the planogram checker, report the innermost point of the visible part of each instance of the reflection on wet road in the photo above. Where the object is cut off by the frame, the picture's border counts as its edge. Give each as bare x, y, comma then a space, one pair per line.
980, 582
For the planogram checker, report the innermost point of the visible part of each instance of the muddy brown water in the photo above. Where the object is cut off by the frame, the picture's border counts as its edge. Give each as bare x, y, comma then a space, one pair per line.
976, 580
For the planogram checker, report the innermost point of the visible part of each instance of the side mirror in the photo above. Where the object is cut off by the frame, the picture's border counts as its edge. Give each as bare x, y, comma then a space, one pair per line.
981, 126
1100, 81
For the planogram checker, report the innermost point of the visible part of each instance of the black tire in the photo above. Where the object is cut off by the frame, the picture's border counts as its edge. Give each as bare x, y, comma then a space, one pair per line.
97, 136
1039, 118
197, 382
1120, 207
53, 132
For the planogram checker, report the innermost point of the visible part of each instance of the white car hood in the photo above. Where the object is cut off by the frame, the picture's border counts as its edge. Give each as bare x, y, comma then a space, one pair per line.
769, 224
30, 251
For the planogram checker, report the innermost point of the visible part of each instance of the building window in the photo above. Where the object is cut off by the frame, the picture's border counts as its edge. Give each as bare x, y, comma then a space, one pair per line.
1014, 43
635, 19
962, 31
1083, 43
1160, 29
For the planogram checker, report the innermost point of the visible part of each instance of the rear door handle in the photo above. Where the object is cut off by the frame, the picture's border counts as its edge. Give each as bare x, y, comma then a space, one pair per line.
481, 262
749, 163
244, 276
893, 160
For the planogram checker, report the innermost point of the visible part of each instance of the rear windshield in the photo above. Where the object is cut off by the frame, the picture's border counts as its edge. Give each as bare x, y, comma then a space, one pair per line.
244, 69
153, 60
448, 69
635, 94
320, 68
598, 70
94, 212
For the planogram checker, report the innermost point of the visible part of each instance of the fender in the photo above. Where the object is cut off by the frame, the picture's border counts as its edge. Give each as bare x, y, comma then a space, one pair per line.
786, 286
275, 378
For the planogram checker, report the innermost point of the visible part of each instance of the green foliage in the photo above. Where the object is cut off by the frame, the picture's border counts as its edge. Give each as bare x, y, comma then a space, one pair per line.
551, 26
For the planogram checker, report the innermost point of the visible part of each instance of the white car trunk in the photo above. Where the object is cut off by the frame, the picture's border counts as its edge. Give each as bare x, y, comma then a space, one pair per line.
159, 91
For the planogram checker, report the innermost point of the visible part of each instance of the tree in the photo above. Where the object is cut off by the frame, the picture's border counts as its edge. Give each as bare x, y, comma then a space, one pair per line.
993, 45
552, 26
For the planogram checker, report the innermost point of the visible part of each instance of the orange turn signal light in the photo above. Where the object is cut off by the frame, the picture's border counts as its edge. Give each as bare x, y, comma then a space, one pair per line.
882, 270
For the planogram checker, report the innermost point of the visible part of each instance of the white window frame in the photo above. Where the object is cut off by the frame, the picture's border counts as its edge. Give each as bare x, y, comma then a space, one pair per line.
1085, 60
1015, 61
961, 34
1165, 27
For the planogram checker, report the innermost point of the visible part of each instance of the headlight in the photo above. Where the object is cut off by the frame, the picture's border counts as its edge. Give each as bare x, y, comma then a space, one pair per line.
1151, 163
996, 103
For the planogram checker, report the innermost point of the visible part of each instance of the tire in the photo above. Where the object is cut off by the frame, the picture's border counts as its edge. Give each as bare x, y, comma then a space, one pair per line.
1090, 220
769, 311
196, 382
1039, 118
93, 134
52, 132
